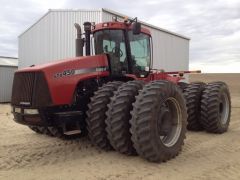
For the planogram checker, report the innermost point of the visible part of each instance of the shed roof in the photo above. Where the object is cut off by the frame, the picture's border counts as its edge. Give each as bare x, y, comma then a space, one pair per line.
8, 61
108, 11
146, 24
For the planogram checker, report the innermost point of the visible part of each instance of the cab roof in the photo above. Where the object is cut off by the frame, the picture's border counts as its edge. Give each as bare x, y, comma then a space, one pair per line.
118, 25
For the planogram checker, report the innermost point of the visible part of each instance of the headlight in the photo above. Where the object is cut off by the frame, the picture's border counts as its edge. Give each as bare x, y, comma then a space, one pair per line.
17, 110
31, 111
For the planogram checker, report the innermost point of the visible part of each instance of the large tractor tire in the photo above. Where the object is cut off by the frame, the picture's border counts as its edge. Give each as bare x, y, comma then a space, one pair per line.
193, 94
118, 117
216, 107
96, 114
158, 123
182, 85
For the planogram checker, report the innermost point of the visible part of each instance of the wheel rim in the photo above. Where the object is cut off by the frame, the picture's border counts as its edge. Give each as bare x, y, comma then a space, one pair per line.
170, 122
224, 109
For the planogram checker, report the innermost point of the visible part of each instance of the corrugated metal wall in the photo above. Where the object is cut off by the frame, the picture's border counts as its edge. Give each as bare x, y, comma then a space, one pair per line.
170, 52
53, 36
6, 80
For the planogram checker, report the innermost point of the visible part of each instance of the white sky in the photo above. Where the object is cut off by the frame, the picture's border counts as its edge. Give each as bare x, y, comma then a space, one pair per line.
213, 25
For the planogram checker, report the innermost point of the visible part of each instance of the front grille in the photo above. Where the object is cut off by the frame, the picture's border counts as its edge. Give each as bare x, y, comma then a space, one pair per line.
41, 94
30, 89
23, 85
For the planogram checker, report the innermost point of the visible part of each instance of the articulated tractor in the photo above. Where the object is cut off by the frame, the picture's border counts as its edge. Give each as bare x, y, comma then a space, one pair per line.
113, 95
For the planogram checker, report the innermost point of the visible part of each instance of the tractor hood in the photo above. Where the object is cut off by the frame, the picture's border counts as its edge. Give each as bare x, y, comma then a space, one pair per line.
73, 63
59, 79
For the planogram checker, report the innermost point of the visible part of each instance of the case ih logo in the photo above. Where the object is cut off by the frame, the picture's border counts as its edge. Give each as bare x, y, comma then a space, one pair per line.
72, 72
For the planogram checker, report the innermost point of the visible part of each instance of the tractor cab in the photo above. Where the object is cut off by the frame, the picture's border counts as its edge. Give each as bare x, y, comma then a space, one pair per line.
126, 44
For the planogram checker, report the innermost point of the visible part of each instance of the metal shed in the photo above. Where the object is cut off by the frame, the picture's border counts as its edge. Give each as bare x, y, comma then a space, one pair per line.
52, 37
8, 65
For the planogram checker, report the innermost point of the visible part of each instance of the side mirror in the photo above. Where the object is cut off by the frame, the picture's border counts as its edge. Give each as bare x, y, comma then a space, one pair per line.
136, 28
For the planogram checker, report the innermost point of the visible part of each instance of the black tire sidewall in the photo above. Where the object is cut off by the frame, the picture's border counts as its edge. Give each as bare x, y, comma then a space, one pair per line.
169, 91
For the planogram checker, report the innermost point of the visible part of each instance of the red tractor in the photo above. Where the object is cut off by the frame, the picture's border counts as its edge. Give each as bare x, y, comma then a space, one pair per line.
116, 97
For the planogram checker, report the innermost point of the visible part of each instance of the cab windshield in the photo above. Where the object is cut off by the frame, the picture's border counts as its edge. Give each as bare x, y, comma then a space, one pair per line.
137, 54
140, 53
112, 42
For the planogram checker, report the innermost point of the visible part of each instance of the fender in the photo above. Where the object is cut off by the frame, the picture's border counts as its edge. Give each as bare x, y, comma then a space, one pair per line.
63, 76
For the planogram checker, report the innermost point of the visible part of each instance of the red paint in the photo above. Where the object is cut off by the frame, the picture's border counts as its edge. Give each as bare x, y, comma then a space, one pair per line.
118, 25
157, 76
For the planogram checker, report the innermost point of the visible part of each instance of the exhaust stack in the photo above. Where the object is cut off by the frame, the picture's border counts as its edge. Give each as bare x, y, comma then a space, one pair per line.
87, 29
79, 43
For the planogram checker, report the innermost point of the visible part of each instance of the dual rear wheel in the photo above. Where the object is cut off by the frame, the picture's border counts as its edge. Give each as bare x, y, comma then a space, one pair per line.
208, 106
215, 108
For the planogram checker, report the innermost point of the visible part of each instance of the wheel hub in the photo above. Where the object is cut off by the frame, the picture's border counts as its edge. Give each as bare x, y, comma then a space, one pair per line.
164, 122
169, 122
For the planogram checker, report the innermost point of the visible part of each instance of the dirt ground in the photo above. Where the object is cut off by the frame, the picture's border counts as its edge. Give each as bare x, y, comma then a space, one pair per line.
27, 155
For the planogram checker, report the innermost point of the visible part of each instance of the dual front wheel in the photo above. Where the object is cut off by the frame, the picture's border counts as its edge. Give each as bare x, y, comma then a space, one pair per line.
131, 117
